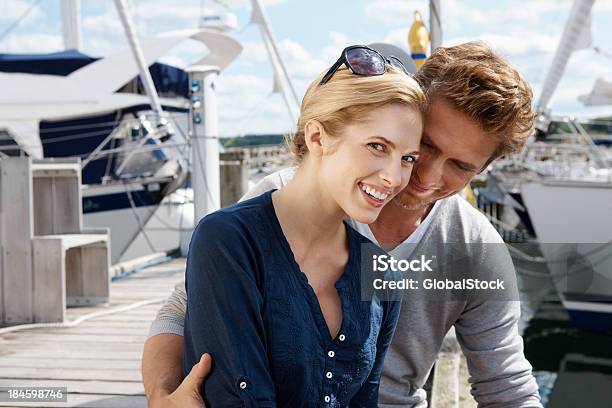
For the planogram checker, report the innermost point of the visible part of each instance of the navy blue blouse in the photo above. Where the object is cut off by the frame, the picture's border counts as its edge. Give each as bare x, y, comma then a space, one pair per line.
252, 309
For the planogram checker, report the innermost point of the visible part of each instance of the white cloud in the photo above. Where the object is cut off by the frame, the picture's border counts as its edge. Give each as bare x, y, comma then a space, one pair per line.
254, 52
107, 24
12, 10
34, 43
232, 84
396, 12
338, 41
246, 4
513, 44
398, 37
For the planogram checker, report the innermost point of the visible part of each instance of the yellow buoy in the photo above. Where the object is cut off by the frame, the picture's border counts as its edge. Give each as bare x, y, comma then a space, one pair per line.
418, 40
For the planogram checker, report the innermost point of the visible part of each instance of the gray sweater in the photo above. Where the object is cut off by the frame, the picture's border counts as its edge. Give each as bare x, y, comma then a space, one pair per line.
487, 331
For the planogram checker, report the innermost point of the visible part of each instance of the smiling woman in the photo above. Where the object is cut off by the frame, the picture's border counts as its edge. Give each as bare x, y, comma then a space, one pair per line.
273, 283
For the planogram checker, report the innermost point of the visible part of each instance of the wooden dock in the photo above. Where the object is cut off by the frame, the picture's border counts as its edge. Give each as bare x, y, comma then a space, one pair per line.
99, 359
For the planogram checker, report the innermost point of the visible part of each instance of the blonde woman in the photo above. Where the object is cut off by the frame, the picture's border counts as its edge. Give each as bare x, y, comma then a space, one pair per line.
273, 283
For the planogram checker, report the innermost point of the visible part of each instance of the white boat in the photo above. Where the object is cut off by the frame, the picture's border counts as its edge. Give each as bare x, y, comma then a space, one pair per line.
131, 159
562, 182
573, 222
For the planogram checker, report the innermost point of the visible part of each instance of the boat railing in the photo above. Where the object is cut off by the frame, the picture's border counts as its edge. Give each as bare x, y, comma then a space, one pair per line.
568, 154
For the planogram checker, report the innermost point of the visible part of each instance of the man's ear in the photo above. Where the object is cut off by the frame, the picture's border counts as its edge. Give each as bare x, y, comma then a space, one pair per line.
314, 135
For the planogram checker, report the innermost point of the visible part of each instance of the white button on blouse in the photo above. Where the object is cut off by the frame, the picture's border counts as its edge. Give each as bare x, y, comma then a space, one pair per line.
243, 385
327, 399
342, 337
329, 374
331, 353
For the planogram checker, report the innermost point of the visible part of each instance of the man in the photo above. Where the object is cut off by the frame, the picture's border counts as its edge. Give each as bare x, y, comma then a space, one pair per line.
480, 109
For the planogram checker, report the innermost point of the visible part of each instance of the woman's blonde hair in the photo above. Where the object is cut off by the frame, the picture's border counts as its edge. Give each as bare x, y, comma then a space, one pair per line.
347, 98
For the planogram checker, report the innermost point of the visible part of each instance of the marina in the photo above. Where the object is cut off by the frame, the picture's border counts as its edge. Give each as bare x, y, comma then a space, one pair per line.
107, 163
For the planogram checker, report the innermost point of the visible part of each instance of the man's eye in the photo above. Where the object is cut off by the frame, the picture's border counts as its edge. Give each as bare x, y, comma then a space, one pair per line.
462, 167
377, 146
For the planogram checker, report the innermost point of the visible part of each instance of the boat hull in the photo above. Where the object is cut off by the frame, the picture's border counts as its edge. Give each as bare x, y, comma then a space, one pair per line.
573, 223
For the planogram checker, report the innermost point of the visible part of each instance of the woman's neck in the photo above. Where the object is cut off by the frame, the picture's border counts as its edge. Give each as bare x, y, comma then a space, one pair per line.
306, 211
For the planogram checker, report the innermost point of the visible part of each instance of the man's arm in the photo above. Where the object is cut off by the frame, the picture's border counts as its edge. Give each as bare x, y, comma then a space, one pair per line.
161, 374
499, 372
487, 331
162, 358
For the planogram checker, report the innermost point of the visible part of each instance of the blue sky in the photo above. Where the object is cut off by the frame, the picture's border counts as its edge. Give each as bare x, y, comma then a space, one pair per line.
312, 33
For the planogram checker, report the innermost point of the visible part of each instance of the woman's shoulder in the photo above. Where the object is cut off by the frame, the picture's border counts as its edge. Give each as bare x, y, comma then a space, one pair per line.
237, 219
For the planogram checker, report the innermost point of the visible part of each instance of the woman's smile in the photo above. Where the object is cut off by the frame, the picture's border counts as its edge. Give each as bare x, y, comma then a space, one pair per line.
376, 196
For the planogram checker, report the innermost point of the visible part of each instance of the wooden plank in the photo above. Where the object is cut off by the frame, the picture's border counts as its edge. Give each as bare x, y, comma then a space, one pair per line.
466, 400
90, 373
17, 229
126, 318
105, 330
74, 277
445, 390
49, 280
82, 387
111, 325
19, 344
75, 240
10, 362
67, 205
34, 337
92, 353
95, 263
43, 205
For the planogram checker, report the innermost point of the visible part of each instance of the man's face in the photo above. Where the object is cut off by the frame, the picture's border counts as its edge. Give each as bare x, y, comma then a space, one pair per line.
453, 150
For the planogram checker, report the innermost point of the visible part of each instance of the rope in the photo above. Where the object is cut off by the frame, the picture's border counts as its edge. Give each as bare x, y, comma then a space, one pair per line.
81, 319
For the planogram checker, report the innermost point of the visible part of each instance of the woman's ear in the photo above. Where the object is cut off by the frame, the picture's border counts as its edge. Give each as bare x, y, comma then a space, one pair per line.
314, 133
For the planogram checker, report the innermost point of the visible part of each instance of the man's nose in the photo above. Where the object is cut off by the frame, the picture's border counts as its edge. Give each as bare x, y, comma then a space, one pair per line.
429, 171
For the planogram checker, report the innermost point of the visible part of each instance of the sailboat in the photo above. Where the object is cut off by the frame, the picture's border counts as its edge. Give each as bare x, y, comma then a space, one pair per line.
562, 182
132, 156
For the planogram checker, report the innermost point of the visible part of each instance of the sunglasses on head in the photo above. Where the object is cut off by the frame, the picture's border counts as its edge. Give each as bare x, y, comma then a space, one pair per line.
363, 60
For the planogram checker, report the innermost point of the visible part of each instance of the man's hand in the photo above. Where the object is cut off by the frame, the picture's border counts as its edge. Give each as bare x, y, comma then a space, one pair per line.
162, 372
187, 395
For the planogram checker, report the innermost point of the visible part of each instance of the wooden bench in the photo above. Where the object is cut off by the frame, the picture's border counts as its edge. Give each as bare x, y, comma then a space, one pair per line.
48, 261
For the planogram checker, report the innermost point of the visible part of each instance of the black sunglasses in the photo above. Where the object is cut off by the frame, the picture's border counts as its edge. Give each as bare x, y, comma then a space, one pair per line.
363, 60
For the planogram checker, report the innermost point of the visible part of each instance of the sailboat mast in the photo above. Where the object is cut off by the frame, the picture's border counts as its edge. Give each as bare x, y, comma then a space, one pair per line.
145, 75
435, 24
71, 23
574, 31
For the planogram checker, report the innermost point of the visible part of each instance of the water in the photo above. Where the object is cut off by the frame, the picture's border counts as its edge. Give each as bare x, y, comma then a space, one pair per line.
573, 367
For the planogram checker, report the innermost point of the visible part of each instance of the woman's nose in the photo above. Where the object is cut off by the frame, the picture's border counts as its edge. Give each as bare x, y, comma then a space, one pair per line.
392, 174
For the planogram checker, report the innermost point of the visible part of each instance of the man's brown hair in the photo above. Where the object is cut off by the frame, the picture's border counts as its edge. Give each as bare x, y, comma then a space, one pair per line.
477, 82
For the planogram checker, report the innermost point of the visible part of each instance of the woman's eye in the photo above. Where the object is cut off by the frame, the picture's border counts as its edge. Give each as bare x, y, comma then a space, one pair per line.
409, 159
377, 146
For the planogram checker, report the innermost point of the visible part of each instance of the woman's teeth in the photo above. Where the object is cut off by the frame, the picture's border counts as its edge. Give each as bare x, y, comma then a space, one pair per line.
376, 194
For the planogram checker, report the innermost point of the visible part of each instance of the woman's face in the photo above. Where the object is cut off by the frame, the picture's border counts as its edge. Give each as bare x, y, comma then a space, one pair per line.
371, 161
